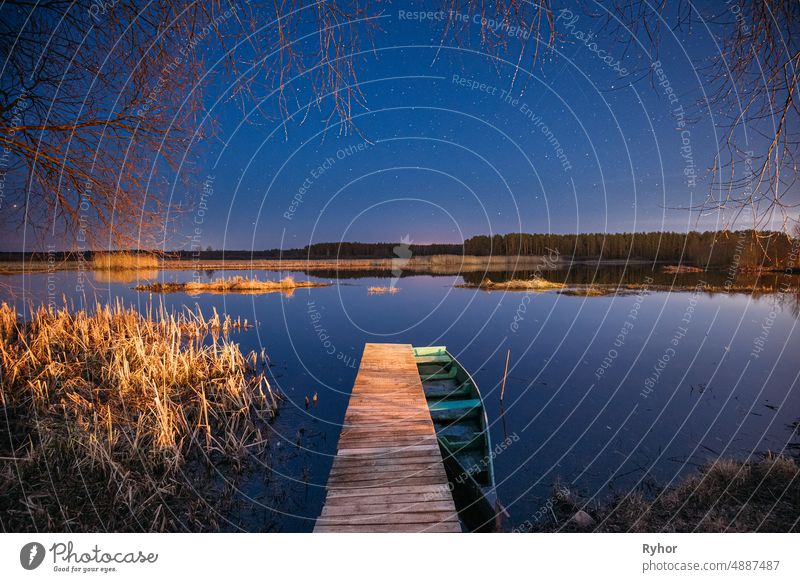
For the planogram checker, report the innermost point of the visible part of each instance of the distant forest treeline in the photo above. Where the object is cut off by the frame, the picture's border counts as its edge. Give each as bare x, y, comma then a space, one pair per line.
355, 250
713, 248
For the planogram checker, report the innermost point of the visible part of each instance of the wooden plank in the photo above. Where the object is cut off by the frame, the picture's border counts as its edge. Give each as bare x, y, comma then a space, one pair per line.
390, 528
388, 518
388, 474
388, 451
372, 508
354, 461
392, 491
401, 442
367, 474
412, 470
340, 469
363, 496
367, 481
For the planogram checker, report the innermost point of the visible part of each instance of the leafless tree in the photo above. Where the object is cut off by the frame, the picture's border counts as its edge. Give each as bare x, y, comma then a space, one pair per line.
751, 94
101, 99
755, 86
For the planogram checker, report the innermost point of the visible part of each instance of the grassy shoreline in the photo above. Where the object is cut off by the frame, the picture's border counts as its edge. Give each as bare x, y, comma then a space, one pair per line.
444, 264
231, 285
117, 420
534, 284
727, 495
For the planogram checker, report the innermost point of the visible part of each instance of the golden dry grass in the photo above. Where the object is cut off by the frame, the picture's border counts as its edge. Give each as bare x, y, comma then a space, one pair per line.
231, 285
382, 290
726, 495
535, 284
124, 276
105, 410
123, 261
681, 269
590, 291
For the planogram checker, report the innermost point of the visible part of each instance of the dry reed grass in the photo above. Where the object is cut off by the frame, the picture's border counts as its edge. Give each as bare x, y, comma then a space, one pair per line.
436, 264
676, 269
231, 285
535, 284
726, 495
124, 276
589, 291
108, 412
382, 290
123, 261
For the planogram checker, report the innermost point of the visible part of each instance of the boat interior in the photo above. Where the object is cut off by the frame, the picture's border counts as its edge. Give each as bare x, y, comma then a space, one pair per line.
457, 412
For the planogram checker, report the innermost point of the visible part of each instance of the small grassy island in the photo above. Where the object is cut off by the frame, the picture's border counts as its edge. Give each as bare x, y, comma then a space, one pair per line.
382, 290
535, 284
123, 261
231, 285
590, 291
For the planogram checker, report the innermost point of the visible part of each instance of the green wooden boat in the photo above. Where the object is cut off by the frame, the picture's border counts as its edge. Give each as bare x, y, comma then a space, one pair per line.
462, 428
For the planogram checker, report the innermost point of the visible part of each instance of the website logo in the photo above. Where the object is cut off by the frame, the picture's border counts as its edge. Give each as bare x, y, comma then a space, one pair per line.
402, 256
31, 555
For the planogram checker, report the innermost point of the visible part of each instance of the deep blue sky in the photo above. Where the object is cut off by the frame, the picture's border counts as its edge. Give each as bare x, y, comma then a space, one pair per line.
440, 161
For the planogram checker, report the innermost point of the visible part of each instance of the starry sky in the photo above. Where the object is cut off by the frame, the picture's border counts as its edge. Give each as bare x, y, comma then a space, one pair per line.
451, 142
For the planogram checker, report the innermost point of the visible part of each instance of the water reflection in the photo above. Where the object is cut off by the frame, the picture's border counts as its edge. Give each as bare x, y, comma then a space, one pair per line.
711, 397
124, 275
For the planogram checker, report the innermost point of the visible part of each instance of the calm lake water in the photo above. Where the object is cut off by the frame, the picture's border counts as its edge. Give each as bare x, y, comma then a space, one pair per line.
604, 394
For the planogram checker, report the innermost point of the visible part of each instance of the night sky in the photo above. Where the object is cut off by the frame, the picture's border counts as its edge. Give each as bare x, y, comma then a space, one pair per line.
450, 143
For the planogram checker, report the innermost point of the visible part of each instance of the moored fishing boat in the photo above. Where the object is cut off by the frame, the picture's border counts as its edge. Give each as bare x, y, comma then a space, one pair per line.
462, 429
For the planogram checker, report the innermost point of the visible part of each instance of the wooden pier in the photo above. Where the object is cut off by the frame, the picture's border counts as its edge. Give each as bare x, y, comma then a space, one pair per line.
388, 474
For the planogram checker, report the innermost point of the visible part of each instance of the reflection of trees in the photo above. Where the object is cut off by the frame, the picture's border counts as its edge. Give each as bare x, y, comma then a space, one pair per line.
589, 274
791, 302
793, 446
710, 249
782, 288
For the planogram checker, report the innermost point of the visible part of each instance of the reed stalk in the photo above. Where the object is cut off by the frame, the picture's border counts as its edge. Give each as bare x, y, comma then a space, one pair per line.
107, 411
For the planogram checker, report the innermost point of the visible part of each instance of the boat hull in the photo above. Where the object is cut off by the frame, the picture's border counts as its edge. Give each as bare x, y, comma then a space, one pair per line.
462, 429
